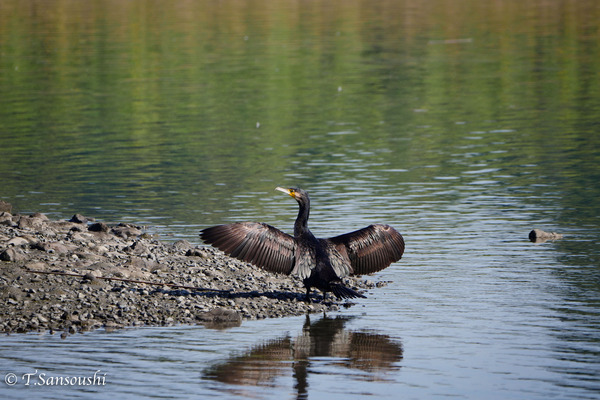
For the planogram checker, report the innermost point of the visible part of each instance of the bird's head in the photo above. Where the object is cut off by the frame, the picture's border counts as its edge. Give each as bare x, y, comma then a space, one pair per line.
300, 195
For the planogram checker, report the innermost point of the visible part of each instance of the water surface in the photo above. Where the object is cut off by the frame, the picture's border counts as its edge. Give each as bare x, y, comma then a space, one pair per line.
464, 125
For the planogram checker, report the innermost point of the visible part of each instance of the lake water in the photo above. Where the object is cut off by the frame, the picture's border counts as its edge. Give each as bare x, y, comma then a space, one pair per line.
463, 124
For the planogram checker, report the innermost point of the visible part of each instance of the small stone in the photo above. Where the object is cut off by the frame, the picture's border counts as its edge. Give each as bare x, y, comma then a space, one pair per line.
126, 231
41, 216
41, 318
195, 252
17, 242
182, 245
59, 248
101, 249
37, 266
33, 222
13, 255
221, 316
5, 207
6, 219
137, 247
90, 276
98, 227
78, 218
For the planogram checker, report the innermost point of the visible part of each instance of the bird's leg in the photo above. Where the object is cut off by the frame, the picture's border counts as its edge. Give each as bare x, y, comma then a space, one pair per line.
307, 298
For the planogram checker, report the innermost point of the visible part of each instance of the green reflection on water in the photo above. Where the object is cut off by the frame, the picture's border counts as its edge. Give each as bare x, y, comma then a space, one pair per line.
176, 108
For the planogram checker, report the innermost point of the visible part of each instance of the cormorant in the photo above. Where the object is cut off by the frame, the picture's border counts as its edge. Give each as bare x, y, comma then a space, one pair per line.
320, 263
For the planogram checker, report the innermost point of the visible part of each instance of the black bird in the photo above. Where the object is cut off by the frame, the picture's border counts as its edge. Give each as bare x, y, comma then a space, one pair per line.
320, 263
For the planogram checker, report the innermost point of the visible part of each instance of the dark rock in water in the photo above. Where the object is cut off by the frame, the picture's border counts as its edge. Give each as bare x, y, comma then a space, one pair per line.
98, 227
539, 236
5, 207
220, 318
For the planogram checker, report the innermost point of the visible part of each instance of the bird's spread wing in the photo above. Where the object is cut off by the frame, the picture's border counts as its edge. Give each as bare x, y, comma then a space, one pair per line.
370, 249
255, 242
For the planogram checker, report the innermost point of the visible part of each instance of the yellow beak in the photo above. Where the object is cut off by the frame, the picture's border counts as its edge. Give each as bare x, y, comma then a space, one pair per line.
286, 191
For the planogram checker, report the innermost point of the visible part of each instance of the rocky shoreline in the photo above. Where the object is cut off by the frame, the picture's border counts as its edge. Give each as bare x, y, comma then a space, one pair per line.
79, 275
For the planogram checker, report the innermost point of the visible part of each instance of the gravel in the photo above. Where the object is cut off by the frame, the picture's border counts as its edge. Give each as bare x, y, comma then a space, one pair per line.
79, 275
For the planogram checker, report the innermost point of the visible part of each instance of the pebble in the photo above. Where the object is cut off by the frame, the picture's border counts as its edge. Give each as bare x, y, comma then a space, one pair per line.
98, 227
12, 254
78, 218
17, 242
5, 207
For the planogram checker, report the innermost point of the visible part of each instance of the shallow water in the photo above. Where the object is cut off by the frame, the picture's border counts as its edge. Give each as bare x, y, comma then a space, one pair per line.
464, 130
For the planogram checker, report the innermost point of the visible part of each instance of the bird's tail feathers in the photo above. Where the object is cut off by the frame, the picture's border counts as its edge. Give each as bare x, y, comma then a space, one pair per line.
342, 292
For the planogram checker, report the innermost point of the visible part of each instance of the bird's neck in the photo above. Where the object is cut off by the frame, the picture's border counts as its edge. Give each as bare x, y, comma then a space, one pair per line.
301, 224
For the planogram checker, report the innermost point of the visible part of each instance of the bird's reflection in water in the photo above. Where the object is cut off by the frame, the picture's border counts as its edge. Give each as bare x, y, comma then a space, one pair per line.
325, 342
